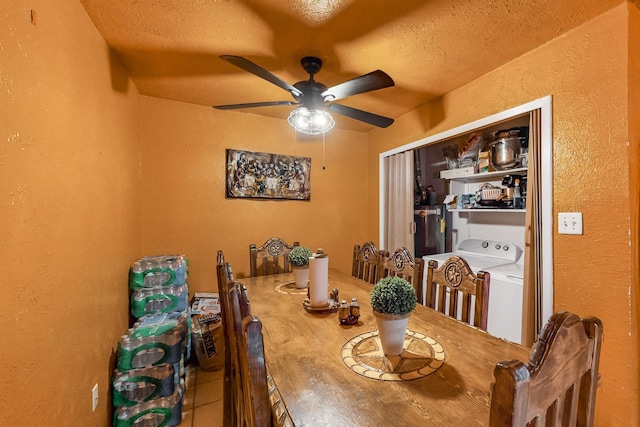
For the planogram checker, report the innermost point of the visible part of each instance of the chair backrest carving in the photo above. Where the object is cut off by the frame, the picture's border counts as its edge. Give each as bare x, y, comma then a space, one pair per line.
402, 264
453, 289
368, 262
557, 387
270, 258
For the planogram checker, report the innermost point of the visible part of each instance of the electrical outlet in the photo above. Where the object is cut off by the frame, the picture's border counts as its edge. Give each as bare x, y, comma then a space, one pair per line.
570, 222
94, 397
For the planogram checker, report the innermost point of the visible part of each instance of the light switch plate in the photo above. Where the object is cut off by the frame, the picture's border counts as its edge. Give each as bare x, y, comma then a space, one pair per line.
570, 222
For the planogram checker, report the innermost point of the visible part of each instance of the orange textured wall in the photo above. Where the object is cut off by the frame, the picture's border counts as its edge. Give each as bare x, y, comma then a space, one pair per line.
183, 189
95, 176
585, 71
634, 170
69, 215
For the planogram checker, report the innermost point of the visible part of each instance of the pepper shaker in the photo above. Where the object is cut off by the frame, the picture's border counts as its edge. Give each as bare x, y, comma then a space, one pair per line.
343, 312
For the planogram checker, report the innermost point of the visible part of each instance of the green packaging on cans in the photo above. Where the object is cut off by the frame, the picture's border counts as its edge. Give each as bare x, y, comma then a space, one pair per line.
180, 321
146, 350
159, 412
159, 270
159, 300
143, 384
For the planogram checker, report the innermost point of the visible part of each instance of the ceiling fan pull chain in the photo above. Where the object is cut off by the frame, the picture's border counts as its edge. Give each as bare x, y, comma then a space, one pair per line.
323, 167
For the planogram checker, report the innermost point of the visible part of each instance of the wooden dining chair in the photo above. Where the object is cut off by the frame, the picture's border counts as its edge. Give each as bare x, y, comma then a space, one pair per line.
557, 387
238, 309
453, 289
225, 284
368, 262
258, 402
270, 258
246, 380
402, 264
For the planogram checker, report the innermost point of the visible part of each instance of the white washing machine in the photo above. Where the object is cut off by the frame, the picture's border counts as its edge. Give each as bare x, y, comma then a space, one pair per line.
500, 260
505, 301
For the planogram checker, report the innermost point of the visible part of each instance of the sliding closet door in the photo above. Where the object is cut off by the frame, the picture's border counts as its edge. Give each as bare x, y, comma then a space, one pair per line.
399, 201
532, 320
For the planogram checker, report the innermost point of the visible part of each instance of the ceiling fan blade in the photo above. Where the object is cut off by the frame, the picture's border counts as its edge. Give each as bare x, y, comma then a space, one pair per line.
363, 116
253, 68
253, 104
373, 81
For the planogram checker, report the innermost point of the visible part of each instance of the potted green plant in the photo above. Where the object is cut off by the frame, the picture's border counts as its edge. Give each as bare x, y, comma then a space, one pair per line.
392, 301
299, 260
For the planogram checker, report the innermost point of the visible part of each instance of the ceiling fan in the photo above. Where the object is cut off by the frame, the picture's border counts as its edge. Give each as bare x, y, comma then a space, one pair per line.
314, 97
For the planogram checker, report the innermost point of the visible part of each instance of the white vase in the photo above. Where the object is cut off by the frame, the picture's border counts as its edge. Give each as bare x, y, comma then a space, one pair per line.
301, 276
392, 329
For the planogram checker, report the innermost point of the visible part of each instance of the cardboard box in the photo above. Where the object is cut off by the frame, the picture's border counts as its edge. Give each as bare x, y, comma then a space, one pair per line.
451, 201
205, 303
457, 173
484, 162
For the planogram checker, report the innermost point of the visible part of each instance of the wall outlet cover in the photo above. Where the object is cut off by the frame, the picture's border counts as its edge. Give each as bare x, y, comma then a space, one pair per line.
94, 397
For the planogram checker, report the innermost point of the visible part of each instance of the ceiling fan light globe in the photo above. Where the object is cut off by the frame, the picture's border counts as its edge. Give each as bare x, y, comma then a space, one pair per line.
311, 122
302, 123
319, 120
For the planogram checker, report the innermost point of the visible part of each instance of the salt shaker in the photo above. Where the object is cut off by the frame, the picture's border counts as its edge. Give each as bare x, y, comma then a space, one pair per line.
354, 308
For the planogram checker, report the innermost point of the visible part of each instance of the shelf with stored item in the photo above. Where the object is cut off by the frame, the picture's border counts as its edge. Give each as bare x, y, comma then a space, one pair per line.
468, 175
501, 191
498, 210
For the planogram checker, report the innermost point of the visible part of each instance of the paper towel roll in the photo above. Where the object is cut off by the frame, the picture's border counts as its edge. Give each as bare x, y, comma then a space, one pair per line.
319, 281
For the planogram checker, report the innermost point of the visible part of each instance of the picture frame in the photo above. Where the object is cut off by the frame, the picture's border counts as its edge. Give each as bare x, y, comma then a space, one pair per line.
267, 175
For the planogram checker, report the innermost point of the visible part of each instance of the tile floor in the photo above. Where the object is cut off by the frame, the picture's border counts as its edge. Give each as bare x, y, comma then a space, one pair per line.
202, 403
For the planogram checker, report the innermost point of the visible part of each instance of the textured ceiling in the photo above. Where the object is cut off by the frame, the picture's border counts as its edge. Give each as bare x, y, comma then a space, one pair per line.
171, 48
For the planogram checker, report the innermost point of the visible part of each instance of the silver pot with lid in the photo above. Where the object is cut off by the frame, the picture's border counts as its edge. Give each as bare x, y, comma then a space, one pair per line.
505, 149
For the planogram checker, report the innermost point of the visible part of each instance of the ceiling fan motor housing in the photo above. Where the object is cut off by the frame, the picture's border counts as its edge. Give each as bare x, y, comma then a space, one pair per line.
311, 97
311, 94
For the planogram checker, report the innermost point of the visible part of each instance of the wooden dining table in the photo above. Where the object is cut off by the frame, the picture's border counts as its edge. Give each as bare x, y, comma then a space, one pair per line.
330, 374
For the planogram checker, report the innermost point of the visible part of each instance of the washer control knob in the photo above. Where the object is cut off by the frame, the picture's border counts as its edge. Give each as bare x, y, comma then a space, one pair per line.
498, 246
485, 244
505, 247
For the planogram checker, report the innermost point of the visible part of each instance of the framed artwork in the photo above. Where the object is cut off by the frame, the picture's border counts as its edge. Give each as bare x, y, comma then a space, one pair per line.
268, 176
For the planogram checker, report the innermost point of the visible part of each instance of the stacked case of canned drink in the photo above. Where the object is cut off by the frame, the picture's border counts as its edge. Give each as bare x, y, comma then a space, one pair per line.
148, 382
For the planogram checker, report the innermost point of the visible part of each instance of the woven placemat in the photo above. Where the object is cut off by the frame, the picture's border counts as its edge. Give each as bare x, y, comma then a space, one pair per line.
421, 356
289, 288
